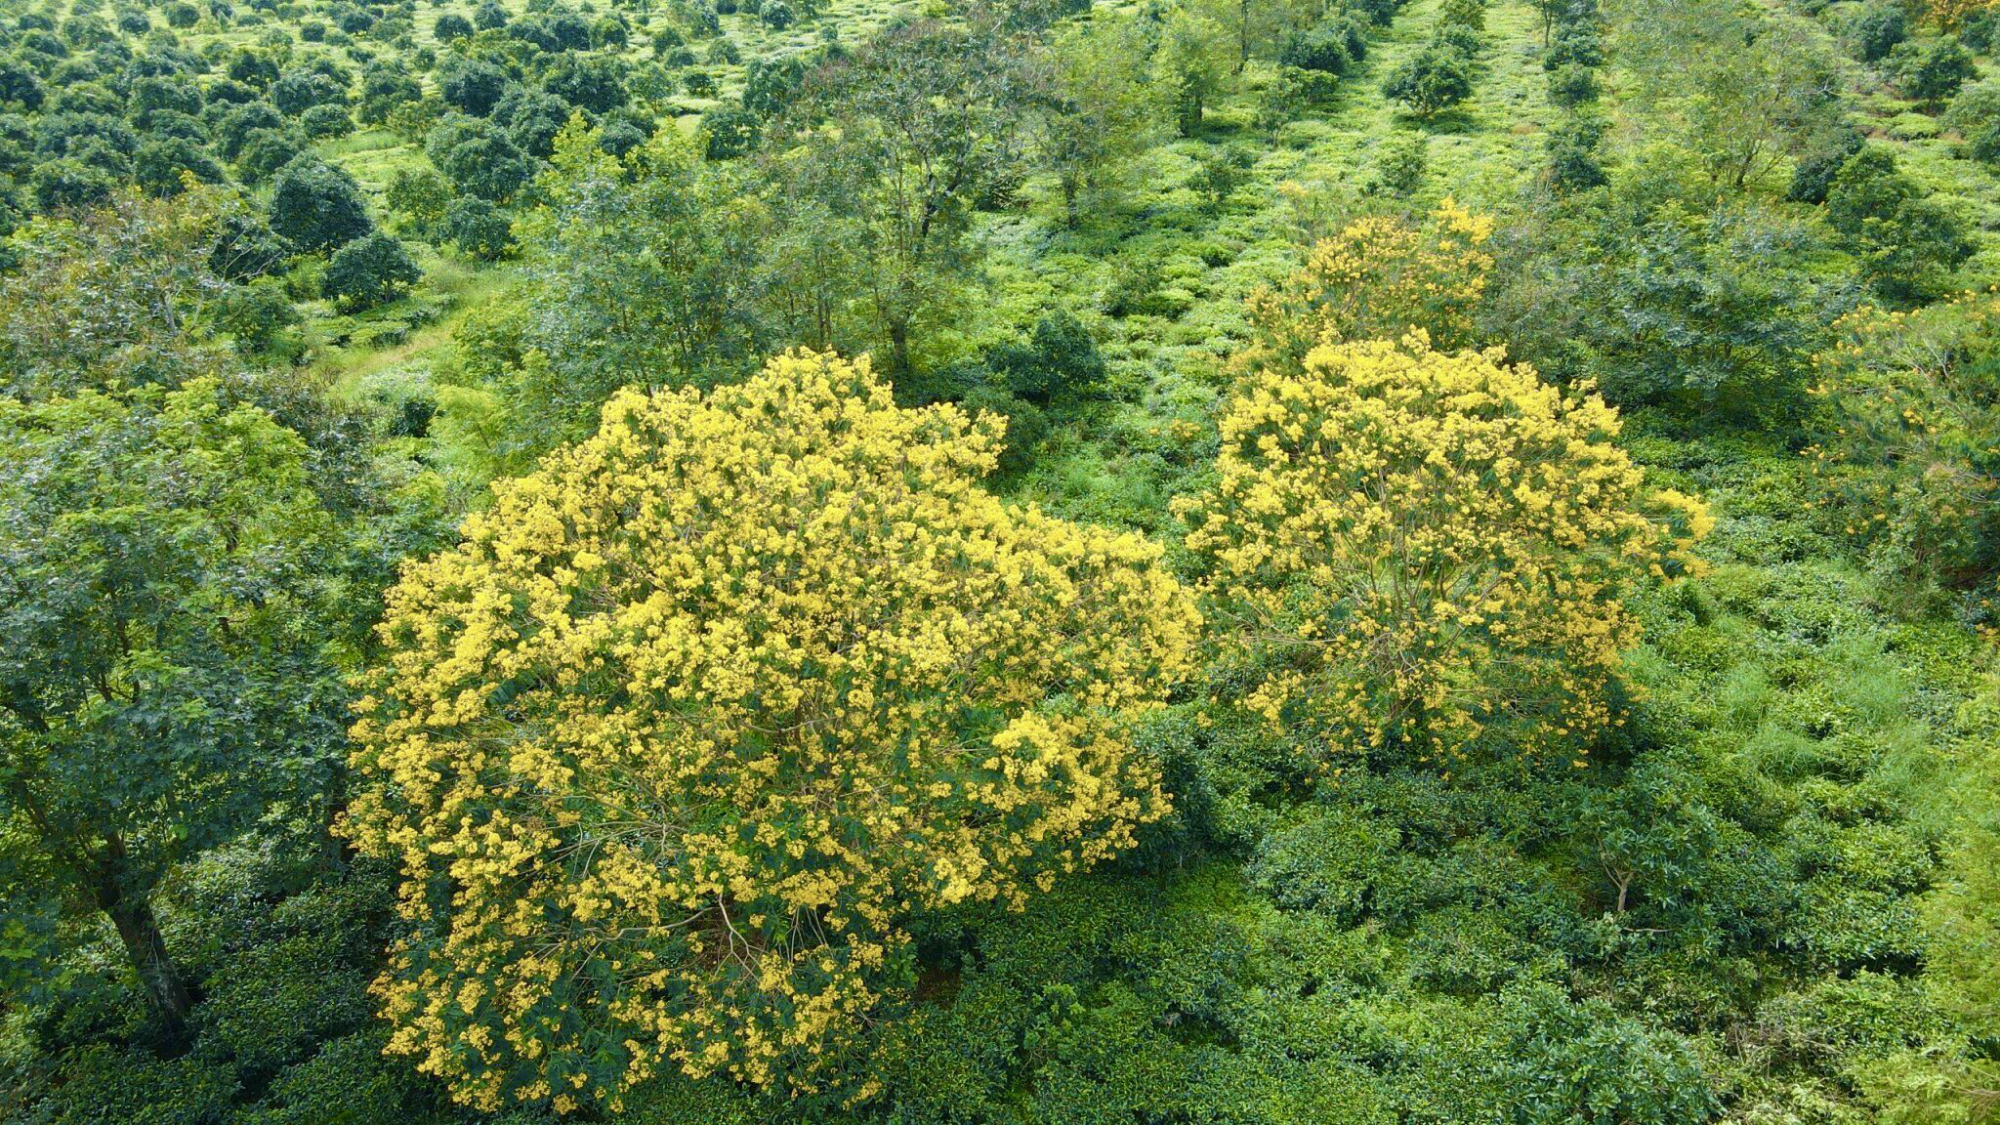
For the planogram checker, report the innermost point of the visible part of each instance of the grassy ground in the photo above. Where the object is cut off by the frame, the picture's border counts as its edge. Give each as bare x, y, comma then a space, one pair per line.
1315, 168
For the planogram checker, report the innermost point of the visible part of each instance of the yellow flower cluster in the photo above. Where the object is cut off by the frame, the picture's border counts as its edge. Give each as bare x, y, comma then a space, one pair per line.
1380, 277
1422, 546
669, 746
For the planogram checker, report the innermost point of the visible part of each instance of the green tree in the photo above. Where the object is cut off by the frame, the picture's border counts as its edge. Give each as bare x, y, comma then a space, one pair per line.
478, 228
418, 198
316, 206
70, 185
1932, 70
163, 678
1431, 81
1402, 163
160, 165
920, 124
1742, 88
124, 295
1908, 243
368, 271
1463, 13
646, 273
1192, 65
1714, 310
473, 86
1093, 109
478, 158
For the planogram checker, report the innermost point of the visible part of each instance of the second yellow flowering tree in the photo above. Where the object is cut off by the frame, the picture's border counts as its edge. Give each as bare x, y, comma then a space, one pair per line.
1380, 276
672, 743
1415, 546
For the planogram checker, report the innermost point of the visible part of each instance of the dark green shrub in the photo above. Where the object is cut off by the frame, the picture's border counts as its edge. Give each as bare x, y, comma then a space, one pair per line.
1908, 244
1433, 80
1059, 361
1878, 29
1323, 49
68, 184
477, 158
160, 164
479, 229
322, 122
1027, 425
1463, 13
369, 271
1814, 173
1932, 71
595, 85
1572, 85
473, 86
1576, 44
1402, 163
729, 132
265, 151
316, 206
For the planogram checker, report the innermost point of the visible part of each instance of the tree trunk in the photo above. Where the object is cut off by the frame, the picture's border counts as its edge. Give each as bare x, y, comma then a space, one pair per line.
131, 913
899, 346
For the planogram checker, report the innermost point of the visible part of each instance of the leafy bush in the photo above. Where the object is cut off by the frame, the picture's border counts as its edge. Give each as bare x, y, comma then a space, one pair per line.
1910, 438
1571, 148
1059, 362
369, 271
1908, 244
473, 86
1932, 70
478, 158
1403, 163
1323, 49
1878, 29
1975, 114
729, 132
324, 121
1572, 85
316, 206
479, 228
1433, 80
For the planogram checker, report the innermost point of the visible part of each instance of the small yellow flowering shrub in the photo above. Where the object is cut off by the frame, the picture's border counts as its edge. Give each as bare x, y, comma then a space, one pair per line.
669, 746
1381, 276
1908, 436
1418, 546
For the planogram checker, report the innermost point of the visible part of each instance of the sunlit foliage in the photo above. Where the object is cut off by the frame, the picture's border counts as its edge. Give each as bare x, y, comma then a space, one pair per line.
1416, 546
673, 742
1381, 276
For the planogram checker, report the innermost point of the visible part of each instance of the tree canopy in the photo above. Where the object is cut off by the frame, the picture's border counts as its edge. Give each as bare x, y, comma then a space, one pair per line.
671, 745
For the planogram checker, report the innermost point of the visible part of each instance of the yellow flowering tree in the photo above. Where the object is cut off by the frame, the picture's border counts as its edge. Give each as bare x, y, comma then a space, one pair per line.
1380, 276
1951, 14
694, 717
1418, 546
